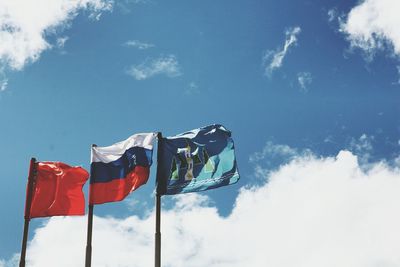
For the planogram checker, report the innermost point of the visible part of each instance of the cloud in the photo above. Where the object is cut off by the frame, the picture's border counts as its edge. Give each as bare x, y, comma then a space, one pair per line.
167, 65
312, 212
373, 25
3, 84
363, 148
125, 6
304, 79
139, 45
332, 14
274, 150
273, 59
192, 89
13, 262
398, 72
61, 41
274, 155
3, 81
24, 26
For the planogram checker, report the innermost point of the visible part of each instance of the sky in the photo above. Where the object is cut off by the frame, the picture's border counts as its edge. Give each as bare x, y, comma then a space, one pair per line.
309, 89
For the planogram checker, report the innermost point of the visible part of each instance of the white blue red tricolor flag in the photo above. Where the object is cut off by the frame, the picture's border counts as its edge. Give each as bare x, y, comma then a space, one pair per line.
119, 169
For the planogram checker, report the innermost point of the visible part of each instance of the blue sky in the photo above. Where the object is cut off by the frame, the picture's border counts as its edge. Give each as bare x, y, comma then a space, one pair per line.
299, 83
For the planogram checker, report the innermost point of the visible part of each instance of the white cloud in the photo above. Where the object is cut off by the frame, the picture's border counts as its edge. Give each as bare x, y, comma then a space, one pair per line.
13, 262
332, 14
139, 45
3, 80
398, 72
363, 148
3, 84
274, 150
24, 26
304, 79
313, 212
374, 25
273, 59
61, 41
274, 155
167, 65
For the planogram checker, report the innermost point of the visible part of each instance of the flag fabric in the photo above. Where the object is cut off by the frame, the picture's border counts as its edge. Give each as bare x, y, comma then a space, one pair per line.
57, 190
197, 160
121, 168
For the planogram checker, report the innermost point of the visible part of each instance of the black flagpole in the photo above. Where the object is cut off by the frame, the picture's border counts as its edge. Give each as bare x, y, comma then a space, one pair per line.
157, 261
28, 203
158, 232
88, 259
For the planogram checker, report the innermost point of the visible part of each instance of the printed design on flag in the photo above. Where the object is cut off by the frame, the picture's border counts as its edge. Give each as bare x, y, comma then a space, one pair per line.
195, 170
185, 160
197, 160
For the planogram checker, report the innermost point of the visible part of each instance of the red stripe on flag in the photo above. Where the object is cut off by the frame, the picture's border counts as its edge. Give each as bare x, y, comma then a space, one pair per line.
58, 190
118, 189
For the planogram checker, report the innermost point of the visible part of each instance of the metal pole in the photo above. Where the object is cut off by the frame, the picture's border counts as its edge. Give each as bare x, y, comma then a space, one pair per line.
88, 258
88, 261
28, 203
157, 260
158, 232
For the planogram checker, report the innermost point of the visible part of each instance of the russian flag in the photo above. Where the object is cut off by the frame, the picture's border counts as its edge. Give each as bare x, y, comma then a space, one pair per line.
119, 169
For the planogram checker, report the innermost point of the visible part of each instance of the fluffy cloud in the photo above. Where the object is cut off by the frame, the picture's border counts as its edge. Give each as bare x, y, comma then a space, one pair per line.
273, 59
274, 155
363, 147
304, 79
139, 45
163, 65
24, 26
374, 25
312, 212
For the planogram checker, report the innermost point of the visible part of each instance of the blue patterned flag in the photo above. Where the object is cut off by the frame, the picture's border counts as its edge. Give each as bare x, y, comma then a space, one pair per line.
197, 160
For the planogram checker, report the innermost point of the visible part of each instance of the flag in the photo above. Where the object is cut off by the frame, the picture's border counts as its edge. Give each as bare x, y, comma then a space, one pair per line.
197, 160
57, 190
121, 168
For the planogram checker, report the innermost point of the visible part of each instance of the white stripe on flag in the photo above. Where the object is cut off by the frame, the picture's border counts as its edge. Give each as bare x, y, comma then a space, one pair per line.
111, 153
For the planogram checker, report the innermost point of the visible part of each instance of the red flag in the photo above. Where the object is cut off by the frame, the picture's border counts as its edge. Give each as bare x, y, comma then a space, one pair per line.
57, 190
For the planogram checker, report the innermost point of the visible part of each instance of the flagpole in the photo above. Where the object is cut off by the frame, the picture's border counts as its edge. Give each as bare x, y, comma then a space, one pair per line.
28, 203
88, 259
157, 260
158, 232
